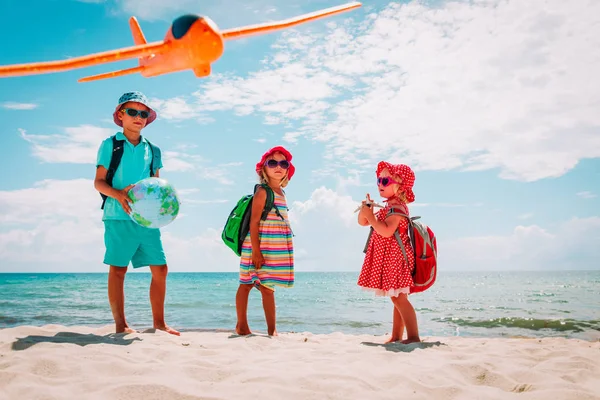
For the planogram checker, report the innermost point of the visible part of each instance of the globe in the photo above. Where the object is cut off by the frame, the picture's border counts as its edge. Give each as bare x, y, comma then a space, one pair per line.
154, 203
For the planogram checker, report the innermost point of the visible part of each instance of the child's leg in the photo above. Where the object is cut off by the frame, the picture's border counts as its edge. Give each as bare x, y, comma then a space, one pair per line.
408, 316
121, 243
116, 298
151, 253
398, 326
241, 307
268, 299
158, 290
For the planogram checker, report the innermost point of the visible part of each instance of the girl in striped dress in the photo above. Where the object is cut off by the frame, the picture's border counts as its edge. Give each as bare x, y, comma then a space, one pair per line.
267, 258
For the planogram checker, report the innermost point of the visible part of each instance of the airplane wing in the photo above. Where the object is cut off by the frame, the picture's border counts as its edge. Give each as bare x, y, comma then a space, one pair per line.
268, 27
84, 61
113, 74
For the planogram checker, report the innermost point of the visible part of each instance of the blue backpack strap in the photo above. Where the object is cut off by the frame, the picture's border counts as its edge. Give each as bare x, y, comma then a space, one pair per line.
115, 160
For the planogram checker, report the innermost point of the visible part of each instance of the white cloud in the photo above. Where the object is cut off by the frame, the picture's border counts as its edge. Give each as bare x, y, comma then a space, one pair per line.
180, 161
328, 237
445, 205
56, 226
10, 105
503, 85
586, 195
245, 12
203, 252
326, 199
77, 145
174, 109
53, 222
526, 216
80, 145
571, 245
186, 197
327, 234
154, 9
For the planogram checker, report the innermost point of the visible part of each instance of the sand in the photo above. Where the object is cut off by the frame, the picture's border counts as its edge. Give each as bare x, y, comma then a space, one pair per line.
57, 362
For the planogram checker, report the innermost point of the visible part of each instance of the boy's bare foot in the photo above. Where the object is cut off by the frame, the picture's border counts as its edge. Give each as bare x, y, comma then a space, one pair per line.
274, 333
167, 329
125, 329
393, 339
242, 329
411, 340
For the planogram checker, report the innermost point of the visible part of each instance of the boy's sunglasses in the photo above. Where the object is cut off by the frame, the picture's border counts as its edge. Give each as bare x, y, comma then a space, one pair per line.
132, 112
386, 181
274, 163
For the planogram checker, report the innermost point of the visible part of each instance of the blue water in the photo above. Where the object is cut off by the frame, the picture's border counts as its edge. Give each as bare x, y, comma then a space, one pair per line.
490, 304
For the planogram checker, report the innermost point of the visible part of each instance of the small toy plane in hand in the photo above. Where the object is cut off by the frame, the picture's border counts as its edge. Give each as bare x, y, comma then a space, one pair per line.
369, 203
191, 43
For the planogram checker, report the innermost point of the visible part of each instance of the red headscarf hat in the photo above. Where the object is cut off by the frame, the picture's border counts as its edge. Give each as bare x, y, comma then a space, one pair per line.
405, 173
282, 150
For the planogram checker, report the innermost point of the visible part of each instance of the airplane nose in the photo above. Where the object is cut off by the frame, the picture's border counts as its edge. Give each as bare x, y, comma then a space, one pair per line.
182, 25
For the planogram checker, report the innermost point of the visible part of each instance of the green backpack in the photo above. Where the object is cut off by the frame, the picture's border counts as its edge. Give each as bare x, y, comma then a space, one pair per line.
237, 225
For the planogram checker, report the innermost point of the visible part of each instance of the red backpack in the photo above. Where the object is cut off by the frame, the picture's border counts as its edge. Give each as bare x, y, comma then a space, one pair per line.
424, 247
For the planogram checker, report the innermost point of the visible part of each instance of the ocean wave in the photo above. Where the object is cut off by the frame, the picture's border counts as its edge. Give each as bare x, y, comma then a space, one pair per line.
562, 325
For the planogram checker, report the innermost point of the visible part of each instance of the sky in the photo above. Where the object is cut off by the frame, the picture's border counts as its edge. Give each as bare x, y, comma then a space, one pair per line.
494, 104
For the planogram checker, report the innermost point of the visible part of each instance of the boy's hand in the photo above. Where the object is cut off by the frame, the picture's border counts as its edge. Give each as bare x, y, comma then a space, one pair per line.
123, 198
257, 259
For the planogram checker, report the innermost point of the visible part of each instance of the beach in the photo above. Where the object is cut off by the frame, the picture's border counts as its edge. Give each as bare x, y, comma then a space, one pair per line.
485, 335
59, 362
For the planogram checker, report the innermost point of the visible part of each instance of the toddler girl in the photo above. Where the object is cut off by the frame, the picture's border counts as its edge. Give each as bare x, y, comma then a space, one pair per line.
385, 270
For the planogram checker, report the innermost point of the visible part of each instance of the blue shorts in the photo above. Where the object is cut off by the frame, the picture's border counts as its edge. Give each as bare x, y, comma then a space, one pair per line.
127, 242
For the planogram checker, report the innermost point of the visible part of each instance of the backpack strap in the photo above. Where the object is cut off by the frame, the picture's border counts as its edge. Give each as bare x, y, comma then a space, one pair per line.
156, 157
115, 160
394, 211
269, 203
398, 211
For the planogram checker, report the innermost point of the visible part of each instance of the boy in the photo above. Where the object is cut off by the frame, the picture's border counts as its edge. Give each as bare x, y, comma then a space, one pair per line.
125, 240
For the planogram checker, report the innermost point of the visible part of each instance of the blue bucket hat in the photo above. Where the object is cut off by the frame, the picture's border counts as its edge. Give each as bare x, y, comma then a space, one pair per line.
137, 97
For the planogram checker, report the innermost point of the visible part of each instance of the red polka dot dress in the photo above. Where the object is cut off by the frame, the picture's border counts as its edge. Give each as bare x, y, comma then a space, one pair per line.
384, 270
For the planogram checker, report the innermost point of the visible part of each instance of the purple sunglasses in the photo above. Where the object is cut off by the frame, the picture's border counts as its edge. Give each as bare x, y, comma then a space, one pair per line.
274, 163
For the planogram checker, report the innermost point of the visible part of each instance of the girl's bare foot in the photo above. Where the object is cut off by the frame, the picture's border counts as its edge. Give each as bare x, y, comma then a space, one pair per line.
411, 340
167, 329
274, 333
393, 339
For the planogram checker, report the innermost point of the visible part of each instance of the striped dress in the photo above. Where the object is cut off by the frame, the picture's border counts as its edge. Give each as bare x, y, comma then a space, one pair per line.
277, 249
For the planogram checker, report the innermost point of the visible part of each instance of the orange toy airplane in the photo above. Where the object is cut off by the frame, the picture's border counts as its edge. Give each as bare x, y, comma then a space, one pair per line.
192, 42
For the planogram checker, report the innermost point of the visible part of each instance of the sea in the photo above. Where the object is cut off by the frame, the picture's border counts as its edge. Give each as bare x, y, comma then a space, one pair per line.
467, 304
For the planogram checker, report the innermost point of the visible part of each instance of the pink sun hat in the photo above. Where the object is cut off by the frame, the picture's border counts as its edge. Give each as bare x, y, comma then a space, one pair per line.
405, 173
282, 150
136, 97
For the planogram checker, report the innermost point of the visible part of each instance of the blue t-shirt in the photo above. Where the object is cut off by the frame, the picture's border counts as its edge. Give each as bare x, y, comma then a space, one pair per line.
134, 166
